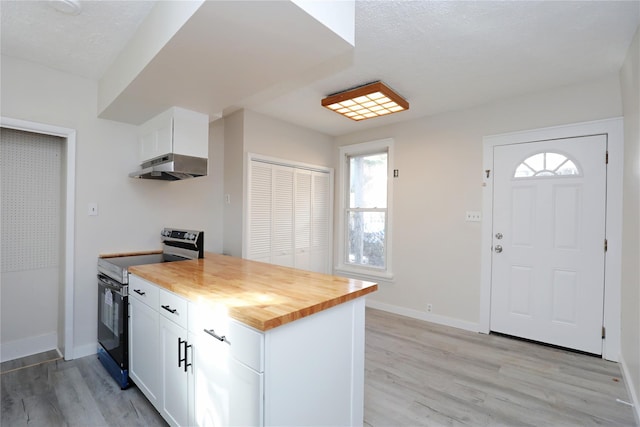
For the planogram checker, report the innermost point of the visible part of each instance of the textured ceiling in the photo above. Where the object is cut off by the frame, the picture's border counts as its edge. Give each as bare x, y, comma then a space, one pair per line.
444, 56
440, 55
84, 44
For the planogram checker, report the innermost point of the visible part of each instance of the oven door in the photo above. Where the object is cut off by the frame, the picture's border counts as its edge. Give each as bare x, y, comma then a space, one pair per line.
112, 319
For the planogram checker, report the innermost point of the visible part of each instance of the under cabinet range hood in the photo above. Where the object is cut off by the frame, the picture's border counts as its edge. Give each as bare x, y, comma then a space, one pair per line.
174, 146
172, 167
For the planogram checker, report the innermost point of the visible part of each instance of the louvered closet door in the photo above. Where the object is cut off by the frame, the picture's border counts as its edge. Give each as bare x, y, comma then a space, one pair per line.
289, 216
282, 243
260, 212
302, 219
320, 222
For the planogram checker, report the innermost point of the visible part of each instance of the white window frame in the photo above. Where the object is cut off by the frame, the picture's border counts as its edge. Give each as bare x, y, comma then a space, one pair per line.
350, 270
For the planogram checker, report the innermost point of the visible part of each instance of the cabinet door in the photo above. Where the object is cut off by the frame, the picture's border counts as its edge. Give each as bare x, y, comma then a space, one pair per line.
144, 348
226, 392
156, 138
175, 379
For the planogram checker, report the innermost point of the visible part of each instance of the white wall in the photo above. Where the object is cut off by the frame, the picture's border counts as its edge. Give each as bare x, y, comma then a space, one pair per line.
131, 212
436, 254
272, 137
630, 87
233, 178
249, 132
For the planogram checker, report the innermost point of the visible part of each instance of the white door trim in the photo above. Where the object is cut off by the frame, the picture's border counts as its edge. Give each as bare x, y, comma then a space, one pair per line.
70, 197
614, 130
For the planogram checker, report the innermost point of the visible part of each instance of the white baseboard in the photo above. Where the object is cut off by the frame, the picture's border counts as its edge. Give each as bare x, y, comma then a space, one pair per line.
429, 317
16, 349
633, 393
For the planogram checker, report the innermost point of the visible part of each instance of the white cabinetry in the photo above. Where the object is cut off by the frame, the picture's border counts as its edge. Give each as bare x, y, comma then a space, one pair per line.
144, 345
176, 354
177, 131
306, 372
289, 218
228, 370
160, 355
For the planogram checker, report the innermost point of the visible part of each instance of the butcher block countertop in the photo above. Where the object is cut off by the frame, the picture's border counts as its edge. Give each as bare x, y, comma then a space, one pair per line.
257, 294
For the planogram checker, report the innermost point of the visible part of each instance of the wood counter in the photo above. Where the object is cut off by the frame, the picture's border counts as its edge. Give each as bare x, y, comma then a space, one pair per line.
257, 294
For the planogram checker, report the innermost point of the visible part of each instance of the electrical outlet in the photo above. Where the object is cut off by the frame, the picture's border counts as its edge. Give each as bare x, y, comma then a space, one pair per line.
473, 216
429, 308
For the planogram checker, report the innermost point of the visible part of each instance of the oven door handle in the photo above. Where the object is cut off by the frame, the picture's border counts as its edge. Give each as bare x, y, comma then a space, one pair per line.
120, 290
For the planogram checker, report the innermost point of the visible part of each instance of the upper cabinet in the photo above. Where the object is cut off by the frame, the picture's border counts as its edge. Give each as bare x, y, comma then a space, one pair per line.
176, 131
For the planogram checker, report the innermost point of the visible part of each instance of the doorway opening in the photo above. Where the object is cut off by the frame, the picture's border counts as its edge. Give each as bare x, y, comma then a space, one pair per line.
67, 231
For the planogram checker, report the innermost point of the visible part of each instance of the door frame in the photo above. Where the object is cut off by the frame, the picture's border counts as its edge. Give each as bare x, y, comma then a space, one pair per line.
69, 136
613, 129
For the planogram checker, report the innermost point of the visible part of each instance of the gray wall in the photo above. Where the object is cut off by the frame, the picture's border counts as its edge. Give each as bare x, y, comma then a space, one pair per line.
630, 84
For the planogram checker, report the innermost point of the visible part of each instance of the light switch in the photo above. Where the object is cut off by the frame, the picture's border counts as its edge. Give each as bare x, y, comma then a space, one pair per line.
92, 209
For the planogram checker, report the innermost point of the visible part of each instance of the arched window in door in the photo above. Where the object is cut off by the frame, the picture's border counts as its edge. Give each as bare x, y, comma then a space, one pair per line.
546, 164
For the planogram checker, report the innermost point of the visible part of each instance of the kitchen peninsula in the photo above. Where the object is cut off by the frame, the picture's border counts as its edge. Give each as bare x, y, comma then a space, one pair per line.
227, 341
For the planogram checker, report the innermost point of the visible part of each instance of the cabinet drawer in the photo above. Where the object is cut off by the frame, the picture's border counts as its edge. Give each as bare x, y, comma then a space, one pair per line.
173, 307
247, 345
143, 291
244, 343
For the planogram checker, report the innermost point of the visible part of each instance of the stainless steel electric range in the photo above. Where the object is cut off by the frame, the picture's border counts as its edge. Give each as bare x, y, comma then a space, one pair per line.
113, 295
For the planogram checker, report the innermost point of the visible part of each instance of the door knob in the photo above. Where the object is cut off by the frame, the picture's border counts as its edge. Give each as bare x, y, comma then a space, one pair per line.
498, 249
498, 236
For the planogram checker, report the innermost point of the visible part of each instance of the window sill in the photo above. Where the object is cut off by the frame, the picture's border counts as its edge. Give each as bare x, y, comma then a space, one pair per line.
364, 275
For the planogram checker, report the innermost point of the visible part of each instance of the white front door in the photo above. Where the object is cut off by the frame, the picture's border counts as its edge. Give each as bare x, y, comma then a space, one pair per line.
549, 207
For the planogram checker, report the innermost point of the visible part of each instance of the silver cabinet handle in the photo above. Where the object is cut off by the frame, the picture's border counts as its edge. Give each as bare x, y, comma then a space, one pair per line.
498, 249
212, 332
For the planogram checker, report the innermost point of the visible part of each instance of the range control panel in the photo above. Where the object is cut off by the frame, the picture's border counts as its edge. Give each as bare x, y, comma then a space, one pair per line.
185, 243
187, 235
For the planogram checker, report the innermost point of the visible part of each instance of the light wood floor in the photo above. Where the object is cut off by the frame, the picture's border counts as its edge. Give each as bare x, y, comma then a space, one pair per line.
417, 374
43, 390
422, 374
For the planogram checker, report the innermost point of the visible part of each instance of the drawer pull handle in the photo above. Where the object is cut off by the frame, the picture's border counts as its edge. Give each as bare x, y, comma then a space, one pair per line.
223, 338
139, 292
169, 309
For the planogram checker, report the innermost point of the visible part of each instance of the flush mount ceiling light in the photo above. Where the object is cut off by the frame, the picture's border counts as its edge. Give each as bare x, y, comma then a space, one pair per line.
367, 101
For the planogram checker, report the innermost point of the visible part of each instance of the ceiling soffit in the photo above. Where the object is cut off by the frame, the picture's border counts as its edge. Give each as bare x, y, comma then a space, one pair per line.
229, 51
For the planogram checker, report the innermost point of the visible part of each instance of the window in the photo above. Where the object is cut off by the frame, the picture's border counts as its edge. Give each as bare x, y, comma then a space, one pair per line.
365, 223
546, 164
